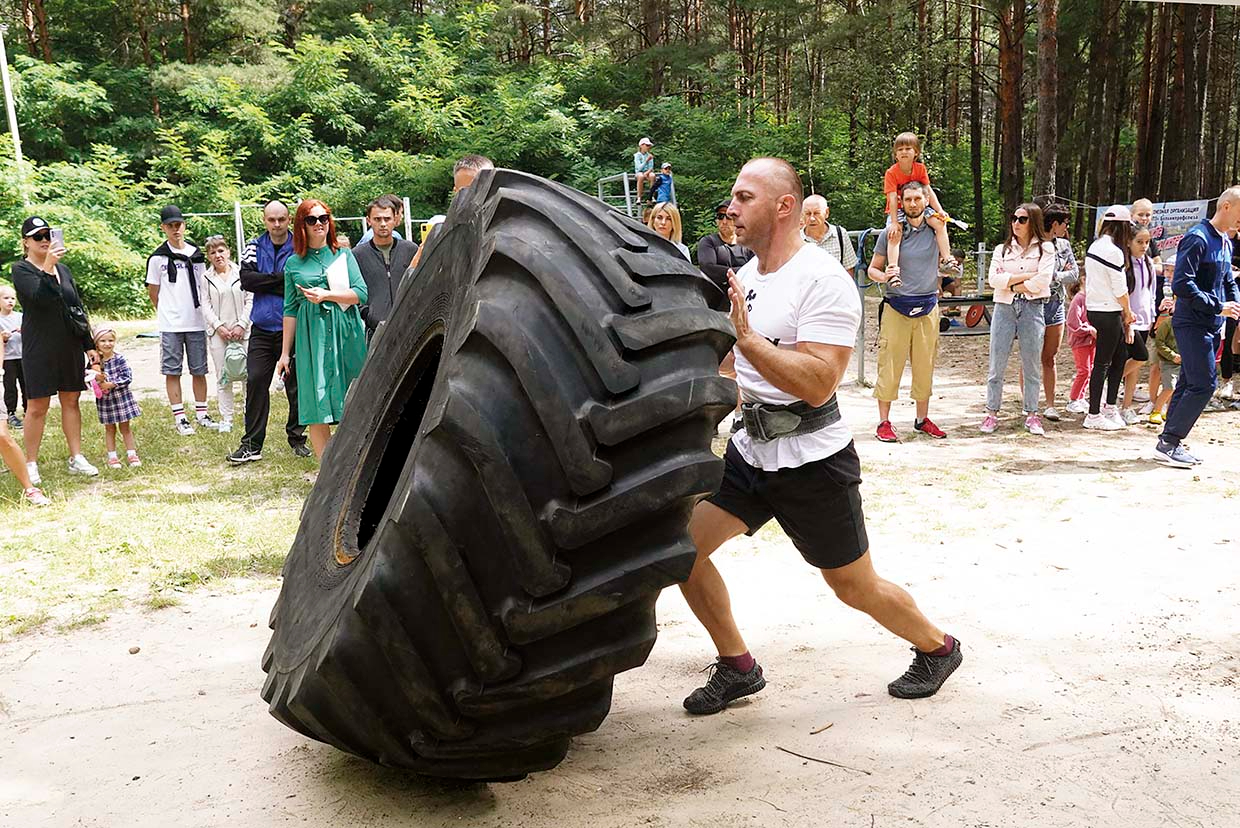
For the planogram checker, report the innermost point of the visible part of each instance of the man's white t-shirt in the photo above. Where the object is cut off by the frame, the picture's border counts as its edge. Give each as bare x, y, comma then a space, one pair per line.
176, 312
809, 299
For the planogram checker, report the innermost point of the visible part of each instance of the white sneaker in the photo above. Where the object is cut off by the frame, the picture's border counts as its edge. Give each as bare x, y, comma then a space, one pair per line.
184, 428
1077, 407
32, 469
1111, 412
1052, 414
80, 465
1146, 409
225, 427
1141, 395
1101, 422
1130, 417
206, 422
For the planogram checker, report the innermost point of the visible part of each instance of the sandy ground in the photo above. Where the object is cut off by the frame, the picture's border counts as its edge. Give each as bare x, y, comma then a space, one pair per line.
1095, 593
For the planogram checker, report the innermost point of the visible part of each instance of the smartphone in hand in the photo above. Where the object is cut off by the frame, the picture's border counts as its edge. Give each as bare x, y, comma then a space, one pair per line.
58, 238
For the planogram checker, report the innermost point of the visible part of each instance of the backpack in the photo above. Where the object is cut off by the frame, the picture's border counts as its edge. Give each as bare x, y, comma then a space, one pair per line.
234, 367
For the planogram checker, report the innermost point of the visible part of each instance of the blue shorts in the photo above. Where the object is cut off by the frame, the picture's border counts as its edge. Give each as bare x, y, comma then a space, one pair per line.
1053, 311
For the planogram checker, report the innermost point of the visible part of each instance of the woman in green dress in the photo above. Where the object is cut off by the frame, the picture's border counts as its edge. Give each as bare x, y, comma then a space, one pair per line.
321, 317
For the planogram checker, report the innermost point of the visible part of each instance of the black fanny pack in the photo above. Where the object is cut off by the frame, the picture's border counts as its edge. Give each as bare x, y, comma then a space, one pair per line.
764, 422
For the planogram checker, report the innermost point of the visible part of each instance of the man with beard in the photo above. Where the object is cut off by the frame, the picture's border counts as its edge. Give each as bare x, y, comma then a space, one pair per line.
796, 313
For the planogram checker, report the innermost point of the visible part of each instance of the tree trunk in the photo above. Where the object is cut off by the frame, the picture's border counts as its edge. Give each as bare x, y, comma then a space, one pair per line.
1199, 89
144, 37
1184, 25
1103, 53
975, 124
1011, 68
1158, 97
1048, 97
40, 25
1141, 164
186, 32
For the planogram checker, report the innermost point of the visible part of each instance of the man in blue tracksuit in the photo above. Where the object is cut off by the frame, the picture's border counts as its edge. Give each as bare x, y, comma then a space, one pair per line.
1205, 291
262, 273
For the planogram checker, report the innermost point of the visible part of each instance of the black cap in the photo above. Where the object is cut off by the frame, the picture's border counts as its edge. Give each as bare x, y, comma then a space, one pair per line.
171, 213
722, 207
33, 225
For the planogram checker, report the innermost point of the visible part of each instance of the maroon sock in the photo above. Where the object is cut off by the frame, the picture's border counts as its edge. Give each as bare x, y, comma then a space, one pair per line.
949, 643
743, 662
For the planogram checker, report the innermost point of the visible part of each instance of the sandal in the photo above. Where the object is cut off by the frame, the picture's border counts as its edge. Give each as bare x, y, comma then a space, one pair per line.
35, 497
134, 462
952, 264
114, 463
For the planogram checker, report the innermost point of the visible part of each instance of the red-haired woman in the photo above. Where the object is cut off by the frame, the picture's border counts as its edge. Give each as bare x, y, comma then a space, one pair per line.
323, 287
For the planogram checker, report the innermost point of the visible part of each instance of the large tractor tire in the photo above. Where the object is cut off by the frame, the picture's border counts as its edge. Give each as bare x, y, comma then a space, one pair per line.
507, 493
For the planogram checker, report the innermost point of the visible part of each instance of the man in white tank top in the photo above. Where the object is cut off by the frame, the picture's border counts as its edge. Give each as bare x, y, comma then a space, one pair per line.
796, 313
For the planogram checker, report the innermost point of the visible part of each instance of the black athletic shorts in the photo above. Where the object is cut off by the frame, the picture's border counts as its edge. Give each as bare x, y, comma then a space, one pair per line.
818, 505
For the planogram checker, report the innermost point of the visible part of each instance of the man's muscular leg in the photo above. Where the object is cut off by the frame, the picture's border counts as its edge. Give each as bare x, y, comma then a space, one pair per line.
705, 592
735, 673
861, 588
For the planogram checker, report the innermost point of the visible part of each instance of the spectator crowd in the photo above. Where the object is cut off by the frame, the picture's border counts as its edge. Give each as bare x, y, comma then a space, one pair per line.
299, 306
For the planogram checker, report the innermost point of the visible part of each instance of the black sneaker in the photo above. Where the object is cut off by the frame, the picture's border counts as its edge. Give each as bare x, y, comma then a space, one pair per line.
244, 455
302, 450
926, 674
726, 684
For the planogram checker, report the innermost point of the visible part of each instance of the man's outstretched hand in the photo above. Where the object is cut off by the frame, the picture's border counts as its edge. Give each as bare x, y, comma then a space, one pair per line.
739, 313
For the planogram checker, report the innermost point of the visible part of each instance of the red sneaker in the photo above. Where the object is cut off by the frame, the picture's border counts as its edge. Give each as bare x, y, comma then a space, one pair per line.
886, 433
928, 428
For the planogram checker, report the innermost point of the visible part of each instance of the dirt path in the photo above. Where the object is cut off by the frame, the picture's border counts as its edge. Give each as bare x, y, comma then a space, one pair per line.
1095, 593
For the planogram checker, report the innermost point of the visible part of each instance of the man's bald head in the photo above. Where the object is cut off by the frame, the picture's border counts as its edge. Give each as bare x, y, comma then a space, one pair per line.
275, 207
766, 204
780, 176
814, 202
1230, 196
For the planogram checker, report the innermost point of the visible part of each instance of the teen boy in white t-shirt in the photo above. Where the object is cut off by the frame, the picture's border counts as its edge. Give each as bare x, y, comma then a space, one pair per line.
174, 281
796, 314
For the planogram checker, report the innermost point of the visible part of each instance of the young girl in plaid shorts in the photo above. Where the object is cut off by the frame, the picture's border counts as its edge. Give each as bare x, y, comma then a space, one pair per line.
117, 405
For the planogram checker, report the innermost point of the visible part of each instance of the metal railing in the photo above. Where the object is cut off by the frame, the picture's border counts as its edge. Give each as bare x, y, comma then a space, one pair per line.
626, 198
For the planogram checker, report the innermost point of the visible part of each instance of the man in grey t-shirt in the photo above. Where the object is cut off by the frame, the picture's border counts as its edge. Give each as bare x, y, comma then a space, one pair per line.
909, 328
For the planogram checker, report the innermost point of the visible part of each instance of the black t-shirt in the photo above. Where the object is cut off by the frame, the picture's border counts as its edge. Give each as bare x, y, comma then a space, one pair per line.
715, 258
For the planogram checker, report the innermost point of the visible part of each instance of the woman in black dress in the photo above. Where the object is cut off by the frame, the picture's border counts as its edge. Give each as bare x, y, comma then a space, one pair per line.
53, 354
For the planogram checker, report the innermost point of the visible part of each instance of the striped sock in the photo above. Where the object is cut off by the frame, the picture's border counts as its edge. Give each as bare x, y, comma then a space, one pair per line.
200, 409
178, 413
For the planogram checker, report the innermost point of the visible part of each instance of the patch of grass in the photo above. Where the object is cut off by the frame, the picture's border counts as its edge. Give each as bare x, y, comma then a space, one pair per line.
78, 622
183, 519
161, 600
17, 624
226, 566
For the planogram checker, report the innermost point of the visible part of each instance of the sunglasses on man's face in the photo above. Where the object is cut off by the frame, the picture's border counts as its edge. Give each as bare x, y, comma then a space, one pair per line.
1020, 219
313, 220
721, 216
42, 236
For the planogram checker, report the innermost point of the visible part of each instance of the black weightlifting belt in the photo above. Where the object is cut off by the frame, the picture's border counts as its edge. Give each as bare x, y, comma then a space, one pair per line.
764, 422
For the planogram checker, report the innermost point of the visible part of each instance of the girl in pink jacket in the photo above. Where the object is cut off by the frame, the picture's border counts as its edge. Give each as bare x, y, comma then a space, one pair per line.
1081, 336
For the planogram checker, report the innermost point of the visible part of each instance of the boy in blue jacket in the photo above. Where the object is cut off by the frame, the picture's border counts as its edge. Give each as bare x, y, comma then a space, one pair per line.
1205, 291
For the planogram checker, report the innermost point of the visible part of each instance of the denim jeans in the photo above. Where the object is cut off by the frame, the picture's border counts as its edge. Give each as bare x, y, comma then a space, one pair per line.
1026, 319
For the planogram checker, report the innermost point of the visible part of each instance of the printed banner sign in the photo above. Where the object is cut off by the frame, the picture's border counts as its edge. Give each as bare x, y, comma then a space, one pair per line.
1171, 220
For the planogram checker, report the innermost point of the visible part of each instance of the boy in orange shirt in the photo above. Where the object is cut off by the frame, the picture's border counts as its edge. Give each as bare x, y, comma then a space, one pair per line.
906, 149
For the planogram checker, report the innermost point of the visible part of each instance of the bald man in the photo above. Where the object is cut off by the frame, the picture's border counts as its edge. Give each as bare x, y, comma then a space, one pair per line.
1206, 293
796, 313
262, 273
816, 228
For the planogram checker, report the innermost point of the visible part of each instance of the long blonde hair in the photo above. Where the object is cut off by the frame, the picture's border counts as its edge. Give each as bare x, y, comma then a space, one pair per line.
670, 209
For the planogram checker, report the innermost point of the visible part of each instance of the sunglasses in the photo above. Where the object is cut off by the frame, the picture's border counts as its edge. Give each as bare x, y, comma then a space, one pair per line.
323, 219
42, 236
1020, 219
721, 216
